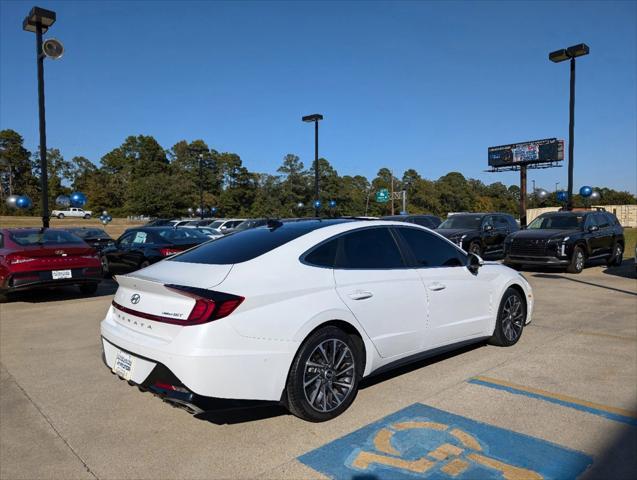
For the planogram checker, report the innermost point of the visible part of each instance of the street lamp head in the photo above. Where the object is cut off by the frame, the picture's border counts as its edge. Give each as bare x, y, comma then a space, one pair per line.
568, 53
559, 56
578, 50
312, 118
53, 48
40, 16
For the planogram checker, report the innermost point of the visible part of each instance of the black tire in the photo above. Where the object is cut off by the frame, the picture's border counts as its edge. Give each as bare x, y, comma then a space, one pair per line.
87, 216
511, 317
60, 216
4, 296
323, 388
106, 268
577, 261
617, 257
88, 288
476, 248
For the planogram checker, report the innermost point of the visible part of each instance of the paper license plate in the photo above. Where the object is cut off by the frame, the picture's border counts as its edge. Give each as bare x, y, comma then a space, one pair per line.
123, 365
58, 274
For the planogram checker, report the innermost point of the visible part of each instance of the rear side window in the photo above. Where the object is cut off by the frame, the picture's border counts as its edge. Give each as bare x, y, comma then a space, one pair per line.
370, 248
324, 255
430, 250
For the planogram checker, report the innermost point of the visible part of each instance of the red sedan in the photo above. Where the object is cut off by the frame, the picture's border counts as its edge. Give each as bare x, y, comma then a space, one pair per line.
35, 257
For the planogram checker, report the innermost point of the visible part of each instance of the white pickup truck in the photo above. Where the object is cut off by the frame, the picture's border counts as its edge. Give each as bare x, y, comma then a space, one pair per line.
72, 212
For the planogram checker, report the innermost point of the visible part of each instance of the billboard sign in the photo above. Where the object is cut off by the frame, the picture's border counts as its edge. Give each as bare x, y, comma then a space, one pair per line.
538, 151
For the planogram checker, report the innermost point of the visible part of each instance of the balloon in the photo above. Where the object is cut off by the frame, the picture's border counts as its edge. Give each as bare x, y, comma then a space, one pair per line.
63, 200
11, 201
585, 191
78, 199
23, 202
104, 213
596, 196
332, 203
300, 205
190, 210
102, 217
109, 218
104, 222
541, 194
213, 209
562, 196
198, 210
317, 204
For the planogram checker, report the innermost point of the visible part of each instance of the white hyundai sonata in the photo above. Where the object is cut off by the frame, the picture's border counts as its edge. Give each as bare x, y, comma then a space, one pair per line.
298, 312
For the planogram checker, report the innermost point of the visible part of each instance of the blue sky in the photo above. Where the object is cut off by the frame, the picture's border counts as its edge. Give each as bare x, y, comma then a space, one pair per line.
428, 85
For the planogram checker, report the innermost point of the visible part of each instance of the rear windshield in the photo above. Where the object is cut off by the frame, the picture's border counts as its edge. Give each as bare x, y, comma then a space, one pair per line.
248, 244
48, 237
90, 233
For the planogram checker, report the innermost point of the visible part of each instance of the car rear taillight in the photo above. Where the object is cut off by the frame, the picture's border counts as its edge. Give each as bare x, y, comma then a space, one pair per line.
16, 259
166, 252
209, 306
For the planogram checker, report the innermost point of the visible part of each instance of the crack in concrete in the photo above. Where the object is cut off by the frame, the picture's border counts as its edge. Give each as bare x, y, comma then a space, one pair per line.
49, 421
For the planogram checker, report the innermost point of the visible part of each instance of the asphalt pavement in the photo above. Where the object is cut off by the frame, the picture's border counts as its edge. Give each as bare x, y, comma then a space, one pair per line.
562, 403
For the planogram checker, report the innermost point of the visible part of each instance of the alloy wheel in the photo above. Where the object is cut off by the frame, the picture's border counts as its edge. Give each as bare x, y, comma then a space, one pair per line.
328, 377
512, 318
579, 260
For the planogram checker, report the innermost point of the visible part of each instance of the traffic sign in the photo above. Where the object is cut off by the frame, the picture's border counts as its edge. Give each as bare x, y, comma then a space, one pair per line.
382, 195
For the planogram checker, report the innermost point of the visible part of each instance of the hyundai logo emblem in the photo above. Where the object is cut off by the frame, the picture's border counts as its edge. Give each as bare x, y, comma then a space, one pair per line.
134, 299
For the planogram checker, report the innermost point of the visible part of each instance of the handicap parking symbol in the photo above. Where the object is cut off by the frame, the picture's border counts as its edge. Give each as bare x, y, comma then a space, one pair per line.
424, 442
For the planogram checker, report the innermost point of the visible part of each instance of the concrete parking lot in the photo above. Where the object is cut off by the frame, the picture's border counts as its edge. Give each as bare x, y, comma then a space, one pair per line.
562, 403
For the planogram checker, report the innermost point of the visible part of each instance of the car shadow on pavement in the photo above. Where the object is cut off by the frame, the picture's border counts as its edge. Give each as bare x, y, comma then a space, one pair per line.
617, 460
410, 367
230, 412
626, 269
592, 284
56, 294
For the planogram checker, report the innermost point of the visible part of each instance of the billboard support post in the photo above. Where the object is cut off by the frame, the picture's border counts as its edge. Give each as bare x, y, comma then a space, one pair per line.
522, 195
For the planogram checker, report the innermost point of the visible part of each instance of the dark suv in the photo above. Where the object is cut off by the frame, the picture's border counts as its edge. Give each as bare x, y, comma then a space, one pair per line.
479, 233
568, 239
429, 221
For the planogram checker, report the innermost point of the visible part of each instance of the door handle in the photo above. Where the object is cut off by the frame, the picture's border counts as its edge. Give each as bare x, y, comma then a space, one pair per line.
435, 287
360, 295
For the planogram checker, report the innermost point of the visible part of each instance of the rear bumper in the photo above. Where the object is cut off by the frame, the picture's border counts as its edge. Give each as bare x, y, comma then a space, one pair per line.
210, 360
44, 278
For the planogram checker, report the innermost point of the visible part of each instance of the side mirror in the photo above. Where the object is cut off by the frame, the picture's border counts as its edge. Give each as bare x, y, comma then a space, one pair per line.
474, 262
593, 228
487, 228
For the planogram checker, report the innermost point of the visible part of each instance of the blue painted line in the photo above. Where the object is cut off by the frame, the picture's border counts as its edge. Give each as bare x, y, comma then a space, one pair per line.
418, 433
583, 408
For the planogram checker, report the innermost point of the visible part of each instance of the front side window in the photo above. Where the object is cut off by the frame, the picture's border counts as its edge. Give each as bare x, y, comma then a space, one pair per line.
369, 248
602, 220
430, 250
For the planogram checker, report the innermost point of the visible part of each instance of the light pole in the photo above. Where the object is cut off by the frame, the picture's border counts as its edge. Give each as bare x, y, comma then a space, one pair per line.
201, 185
315, 118
38, 21
556, 184
559, 56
